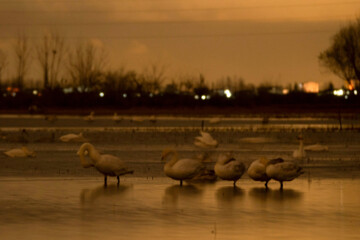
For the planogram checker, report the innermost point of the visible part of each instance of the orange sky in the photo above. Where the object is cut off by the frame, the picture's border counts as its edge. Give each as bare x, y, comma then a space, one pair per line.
261, 41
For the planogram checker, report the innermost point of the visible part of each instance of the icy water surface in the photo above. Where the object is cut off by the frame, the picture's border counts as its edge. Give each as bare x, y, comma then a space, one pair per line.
140, 208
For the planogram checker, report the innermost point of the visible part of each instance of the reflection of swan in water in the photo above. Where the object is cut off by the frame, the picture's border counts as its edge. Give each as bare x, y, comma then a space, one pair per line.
181, 169
228, 168
20, 152
229, 194
106, 164
279, 195
102, 193
176, 192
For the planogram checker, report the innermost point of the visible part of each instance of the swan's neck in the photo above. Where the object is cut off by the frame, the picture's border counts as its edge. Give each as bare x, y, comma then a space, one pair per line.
173, 160
93, 153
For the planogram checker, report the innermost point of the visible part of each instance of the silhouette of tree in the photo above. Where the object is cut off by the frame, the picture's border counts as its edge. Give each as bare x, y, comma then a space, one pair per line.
343, 56
3, 64
22, 54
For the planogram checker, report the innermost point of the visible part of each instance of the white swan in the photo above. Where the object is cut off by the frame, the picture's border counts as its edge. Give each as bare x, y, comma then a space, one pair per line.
228, 168
20, 152
316, 148
72, 137
90, 117
205, 140
116, 118
281, 170
214, 120
152, 119
181, 169
106, 164
137, 119
257, 170
51, 118
300, 152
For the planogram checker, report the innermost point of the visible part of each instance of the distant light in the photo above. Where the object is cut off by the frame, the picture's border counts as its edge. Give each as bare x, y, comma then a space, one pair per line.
138, 95
227, 92
355, 92
151, 95
13, 94
285, 91
4, 94
196, 97
35, 92
124, 95
101, 94
338, 92
203, 97
208, 96
68, 90
346, 96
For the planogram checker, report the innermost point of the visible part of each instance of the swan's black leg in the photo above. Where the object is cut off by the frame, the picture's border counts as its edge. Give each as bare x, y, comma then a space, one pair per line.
235, 184
105, 181
118, 179
180, 182
281, 185
266, 186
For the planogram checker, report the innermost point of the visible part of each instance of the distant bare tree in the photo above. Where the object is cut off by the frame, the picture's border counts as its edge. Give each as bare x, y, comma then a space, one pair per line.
343, 56
22, 54
86, 64
50, 53
3, 64
152, 78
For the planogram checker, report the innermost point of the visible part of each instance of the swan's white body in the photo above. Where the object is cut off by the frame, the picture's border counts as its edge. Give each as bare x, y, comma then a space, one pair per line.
281, 170
228, 168
181, 169
20, 152
316, 148
205, 140
106, 164
214, 120
257, 170
72, 137
300, 152
152, 119
90, 117
51, 118
116, 118
137, 119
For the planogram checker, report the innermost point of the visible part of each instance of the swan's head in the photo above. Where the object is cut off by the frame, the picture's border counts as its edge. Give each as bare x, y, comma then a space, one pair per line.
166, 152
84, 148
226, 157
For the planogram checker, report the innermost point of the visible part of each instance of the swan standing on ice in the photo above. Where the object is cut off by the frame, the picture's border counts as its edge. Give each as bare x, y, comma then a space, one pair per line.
90, 117
106, 164
72, 137
300, 152
228, 168
205, 140
281, 170
257, 171
20, 152
181, 169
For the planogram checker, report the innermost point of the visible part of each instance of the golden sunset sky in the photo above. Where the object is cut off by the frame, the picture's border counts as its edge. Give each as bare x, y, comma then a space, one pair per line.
261, 41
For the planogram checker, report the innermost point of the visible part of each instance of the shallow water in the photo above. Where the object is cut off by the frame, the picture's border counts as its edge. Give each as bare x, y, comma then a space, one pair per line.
140, 208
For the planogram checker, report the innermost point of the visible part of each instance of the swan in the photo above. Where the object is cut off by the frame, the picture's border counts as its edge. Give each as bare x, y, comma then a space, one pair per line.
214, 120
205, 140
316, 148
152, 119
300, 152
257, 171
72, 137
116, 118
51, 118
181, 169
90, 117
228, 168
106, 164
281, 170
137, 119
20, 152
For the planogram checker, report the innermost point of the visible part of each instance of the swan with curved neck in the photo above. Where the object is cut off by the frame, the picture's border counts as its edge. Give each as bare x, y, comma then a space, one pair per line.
257, 171
281, 170
228, 168
181, 169
106, 164
205, 140
20, 152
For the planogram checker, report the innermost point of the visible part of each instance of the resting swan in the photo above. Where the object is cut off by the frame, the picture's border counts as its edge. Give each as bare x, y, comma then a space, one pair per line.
20, 152
257, 171
228, 168
181, 169
205, 140
316, 148
281, 170
106, 164
90, 117
72, 137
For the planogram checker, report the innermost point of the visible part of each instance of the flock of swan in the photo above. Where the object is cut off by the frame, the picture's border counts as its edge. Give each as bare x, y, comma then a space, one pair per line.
187, 169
